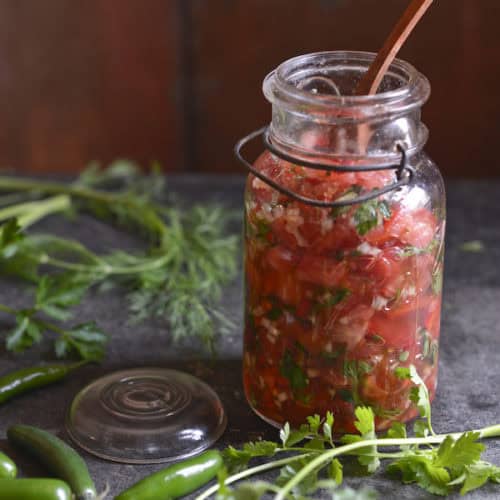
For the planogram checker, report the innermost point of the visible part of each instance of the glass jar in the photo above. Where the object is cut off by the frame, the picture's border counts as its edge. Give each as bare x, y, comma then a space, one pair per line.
337, 298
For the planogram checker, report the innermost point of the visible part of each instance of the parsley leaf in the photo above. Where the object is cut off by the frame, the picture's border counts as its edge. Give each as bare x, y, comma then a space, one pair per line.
86, 340
24, 334
10, 234
365, 424
56, 294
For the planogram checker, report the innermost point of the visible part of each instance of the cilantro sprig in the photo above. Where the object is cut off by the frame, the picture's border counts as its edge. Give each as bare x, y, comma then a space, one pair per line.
309, 459
178, 278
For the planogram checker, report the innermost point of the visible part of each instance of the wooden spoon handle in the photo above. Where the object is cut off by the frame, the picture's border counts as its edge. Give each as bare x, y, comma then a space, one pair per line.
370, 82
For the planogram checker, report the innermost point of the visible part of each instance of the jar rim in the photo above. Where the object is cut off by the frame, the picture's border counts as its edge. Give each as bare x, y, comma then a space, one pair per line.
412, 92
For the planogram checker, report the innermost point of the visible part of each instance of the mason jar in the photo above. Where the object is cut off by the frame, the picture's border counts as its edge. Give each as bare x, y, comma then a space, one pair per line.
344, 239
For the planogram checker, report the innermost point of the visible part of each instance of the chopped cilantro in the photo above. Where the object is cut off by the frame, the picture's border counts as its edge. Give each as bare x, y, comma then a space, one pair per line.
293, 373
354, 370
404, 356
349, 195
370, 214
274, 314
330, 356
437, 280
331, 298
260, 229
429, 346
346, 395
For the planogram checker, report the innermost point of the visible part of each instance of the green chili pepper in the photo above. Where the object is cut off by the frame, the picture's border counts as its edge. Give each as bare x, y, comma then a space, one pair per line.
8, 468
59, 458
177, 480
25, 380
34, 489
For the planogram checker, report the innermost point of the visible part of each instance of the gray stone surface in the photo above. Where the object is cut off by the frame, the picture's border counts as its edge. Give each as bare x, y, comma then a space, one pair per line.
468, 394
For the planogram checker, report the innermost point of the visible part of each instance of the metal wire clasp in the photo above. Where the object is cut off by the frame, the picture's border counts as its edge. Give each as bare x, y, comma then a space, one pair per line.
404, 172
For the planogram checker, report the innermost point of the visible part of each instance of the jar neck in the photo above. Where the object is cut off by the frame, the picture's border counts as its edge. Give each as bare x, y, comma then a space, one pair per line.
315, 114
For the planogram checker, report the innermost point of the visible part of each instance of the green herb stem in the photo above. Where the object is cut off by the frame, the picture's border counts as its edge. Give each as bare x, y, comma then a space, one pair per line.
493, 431
30, 212
103, 267
18, 184
7, 309
251, 472
489, 432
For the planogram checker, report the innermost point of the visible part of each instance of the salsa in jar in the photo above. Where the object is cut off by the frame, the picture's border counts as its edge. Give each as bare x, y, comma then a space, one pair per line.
338, 298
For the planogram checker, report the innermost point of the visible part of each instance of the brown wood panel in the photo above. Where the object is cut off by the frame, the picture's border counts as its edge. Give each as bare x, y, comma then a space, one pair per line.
85, 80
457, 46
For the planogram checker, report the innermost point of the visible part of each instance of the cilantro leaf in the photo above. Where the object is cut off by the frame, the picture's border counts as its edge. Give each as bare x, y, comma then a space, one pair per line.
397, 431
328, 427
365, 424
354, 370
236, 460
335, 471
464, 451
420, 469
314, 422
419, 394
421, 428
476, 475
308, 485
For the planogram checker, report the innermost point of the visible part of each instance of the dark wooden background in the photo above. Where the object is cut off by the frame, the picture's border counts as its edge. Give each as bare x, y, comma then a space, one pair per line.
180, 80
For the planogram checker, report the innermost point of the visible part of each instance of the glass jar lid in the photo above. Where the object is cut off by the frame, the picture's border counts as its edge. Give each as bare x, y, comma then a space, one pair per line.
146, 415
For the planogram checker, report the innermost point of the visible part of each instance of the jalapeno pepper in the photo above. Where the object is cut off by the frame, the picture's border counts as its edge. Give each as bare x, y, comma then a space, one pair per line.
8, 468
177, 480
59, 458
34, 489
27, 379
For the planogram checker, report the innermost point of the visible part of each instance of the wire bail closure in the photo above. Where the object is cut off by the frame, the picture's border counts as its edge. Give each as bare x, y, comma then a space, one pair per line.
404, 172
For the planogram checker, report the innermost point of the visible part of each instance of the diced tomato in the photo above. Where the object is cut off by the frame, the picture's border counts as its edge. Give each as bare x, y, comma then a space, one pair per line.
369, 347
281, 258
416, 228
433, 320
341, 237
324, 271
283, 235
282, 285
351, 328
398, 331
